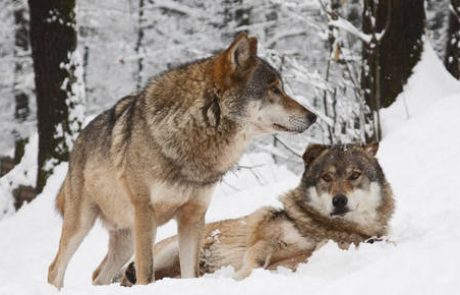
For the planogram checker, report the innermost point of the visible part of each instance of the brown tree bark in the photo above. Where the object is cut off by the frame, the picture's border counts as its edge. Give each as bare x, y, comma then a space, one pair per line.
452, 58
398, 51
53, 39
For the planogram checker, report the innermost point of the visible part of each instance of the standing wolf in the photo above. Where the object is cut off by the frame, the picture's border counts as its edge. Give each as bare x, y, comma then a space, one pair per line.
157, 155
343, 196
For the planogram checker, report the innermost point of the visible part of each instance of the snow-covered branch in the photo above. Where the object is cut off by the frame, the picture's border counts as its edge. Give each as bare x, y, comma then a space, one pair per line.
345, 25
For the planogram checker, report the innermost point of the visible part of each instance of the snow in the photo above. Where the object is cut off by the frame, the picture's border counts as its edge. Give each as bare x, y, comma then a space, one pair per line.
420, 154
431, 83
25, 173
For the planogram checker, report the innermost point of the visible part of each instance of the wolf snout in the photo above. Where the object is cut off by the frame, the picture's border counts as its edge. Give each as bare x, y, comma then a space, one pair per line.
339, 201
311, 118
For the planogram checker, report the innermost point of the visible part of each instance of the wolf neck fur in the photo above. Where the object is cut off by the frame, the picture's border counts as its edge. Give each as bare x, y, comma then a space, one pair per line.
194, 133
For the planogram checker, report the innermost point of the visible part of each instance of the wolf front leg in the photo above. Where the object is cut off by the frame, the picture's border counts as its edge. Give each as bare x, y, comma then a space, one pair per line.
144, 233
190, 223
144, 228
257, 255
292, 261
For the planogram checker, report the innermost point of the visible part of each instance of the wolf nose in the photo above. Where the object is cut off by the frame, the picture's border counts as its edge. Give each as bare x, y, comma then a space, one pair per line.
311, 118
339, 201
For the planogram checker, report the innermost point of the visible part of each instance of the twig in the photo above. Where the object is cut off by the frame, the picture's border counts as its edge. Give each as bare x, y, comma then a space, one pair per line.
249, 167
286, 146
329, 128
231, 186
337, 21
454, 11
251, 170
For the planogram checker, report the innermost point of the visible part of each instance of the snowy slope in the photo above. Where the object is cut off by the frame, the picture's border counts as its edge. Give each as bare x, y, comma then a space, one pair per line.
421, 158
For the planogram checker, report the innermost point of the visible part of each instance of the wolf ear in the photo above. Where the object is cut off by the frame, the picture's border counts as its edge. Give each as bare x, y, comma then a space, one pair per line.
371, 148
312, 152
239, 52
253, 45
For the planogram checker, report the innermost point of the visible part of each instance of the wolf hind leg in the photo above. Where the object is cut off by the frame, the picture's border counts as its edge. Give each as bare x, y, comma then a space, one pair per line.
79, 218
121, 249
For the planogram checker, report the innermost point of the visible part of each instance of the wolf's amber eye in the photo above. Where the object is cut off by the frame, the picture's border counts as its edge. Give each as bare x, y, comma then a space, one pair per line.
355, 175
327, 177
276, 91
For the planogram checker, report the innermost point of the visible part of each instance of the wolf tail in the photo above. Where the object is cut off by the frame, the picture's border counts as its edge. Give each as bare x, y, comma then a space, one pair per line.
60, 199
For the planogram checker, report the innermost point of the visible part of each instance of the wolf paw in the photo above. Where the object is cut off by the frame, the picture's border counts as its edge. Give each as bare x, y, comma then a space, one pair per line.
241, 275
344, 245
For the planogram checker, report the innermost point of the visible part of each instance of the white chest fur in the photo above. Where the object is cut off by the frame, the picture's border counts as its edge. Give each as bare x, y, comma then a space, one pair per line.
166, 199
291, 236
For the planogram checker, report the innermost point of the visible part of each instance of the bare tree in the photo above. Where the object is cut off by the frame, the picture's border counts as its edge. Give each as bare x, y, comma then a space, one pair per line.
342, 35
58, 81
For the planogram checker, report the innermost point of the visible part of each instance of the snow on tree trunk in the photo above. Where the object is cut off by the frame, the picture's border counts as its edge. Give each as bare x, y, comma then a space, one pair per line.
139, 45
58, 81
452, 58
403, 24
22, 70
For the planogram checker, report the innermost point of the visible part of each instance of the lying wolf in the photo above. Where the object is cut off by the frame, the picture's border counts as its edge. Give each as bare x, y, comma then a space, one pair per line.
158, 155
343, 196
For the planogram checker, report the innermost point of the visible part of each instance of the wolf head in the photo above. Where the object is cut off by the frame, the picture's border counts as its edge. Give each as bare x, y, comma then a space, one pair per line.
344, 181
252, 91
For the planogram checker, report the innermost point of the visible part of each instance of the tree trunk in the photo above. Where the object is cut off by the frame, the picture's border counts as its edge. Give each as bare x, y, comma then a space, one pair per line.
21, 65
452, 58
400, 48
242, 15
57, 77
237, 11
138, 49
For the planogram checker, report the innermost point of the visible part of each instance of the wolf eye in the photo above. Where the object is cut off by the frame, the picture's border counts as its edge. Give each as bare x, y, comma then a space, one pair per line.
355, 175
276, 91
327, 177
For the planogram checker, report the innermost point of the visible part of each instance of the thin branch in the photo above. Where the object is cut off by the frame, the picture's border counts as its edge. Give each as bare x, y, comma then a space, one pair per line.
251, 170
345, 25
291, 33
275, 152
335, 20
230, 186
329, 127
238, 167
286, 146
180, 8
381, 34
454, 11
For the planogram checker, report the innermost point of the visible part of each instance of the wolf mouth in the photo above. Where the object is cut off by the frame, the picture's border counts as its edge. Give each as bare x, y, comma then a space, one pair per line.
280, 127
340, 212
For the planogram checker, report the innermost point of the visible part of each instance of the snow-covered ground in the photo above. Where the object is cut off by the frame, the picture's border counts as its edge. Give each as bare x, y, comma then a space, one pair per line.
420, 154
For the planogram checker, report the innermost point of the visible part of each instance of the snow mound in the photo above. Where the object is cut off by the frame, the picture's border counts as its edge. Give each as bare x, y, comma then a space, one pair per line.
429, 83
25, 173
420, 156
